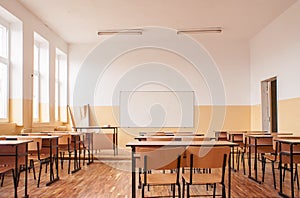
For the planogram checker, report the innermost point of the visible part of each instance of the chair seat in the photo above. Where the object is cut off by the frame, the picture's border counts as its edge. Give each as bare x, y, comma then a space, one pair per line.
36, 158
270, 157
203, 178
160, 179
4, 169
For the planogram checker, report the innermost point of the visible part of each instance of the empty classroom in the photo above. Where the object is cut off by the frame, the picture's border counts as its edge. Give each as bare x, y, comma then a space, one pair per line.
137, 98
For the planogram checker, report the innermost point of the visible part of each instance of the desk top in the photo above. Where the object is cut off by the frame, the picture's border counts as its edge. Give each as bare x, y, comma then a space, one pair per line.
170, 137
180, 143
259, 135
13, 142
95, 127
289, 141
236, 132
28, 137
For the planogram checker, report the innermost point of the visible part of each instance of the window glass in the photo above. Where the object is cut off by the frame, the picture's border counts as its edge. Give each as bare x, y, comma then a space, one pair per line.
4, 80
3, 91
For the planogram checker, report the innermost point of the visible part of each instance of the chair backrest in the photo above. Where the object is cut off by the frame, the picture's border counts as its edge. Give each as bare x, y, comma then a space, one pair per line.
220, 135
207, 157
160, 158
33, 146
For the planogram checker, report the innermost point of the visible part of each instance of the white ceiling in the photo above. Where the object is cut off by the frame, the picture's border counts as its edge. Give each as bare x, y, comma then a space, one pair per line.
78, 21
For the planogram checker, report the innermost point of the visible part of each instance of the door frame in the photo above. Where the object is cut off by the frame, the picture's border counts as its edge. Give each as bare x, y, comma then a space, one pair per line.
269, 105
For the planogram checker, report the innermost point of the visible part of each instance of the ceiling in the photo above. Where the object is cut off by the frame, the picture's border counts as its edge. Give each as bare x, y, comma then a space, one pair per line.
78, 21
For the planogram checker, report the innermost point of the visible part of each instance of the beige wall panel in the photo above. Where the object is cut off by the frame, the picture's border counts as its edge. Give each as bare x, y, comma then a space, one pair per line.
256, 119
289, 115
236, 118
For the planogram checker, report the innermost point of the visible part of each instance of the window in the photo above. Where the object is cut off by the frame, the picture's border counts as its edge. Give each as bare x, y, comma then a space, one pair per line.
61, 82
41, 80
4, 72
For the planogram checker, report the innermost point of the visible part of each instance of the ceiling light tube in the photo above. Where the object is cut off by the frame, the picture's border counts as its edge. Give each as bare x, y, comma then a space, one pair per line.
121, 32
201, 30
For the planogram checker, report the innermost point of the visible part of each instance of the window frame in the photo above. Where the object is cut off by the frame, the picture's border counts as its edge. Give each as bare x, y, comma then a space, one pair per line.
61, 66
5, 61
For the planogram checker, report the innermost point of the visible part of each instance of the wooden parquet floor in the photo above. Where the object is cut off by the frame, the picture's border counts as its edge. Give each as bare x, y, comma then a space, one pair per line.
112, 179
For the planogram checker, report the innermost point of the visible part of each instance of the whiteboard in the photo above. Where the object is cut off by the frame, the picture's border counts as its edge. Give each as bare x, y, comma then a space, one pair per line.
156, 109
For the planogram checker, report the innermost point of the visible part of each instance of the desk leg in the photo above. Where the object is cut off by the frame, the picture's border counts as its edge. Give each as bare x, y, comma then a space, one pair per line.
117, 147
76, 165
249, 160
281, 174
16, 173
280, 170
114, 141
292, 168
133, 173
89, 136
255, 159
55, 157
26, 170
229, 175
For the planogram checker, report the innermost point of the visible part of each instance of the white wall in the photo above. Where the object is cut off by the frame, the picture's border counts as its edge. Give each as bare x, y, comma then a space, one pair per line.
229, 56
275, 51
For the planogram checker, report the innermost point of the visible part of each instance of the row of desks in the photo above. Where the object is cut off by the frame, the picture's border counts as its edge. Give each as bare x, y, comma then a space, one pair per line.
258, 142
139, 144
17, 146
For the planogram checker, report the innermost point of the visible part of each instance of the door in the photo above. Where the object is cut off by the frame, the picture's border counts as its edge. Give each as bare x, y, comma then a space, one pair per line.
269, 104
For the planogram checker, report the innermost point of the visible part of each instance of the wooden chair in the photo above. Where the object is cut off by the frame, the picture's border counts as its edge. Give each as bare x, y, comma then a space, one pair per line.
37, 154
4, 168
66, 145
212, 158
156, 160
221, 135
273, 158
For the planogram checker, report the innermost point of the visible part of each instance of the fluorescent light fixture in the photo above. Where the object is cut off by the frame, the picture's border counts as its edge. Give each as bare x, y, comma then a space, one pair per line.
121, 32
200, 30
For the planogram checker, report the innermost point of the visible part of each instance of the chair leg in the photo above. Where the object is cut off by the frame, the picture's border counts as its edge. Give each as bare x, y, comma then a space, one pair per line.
243, 160
238, 159
285, 167
173, 190
223, 191
179, 193
31, 162
39, 179
143, 190
263, 163
273, 171
188, 190
62, 155
69, 165
296, 175
214, 192
84, 157
2, 179
183, 187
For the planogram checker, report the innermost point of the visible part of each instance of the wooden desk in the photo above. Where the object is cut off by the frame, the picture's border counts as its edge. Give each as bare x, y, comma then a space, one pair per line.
115, 134
170, 134
261, 144
87, 137
74, 138
141, 144
221, 135
50, 143
237, 137
18, 151
292, 149
174, 138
